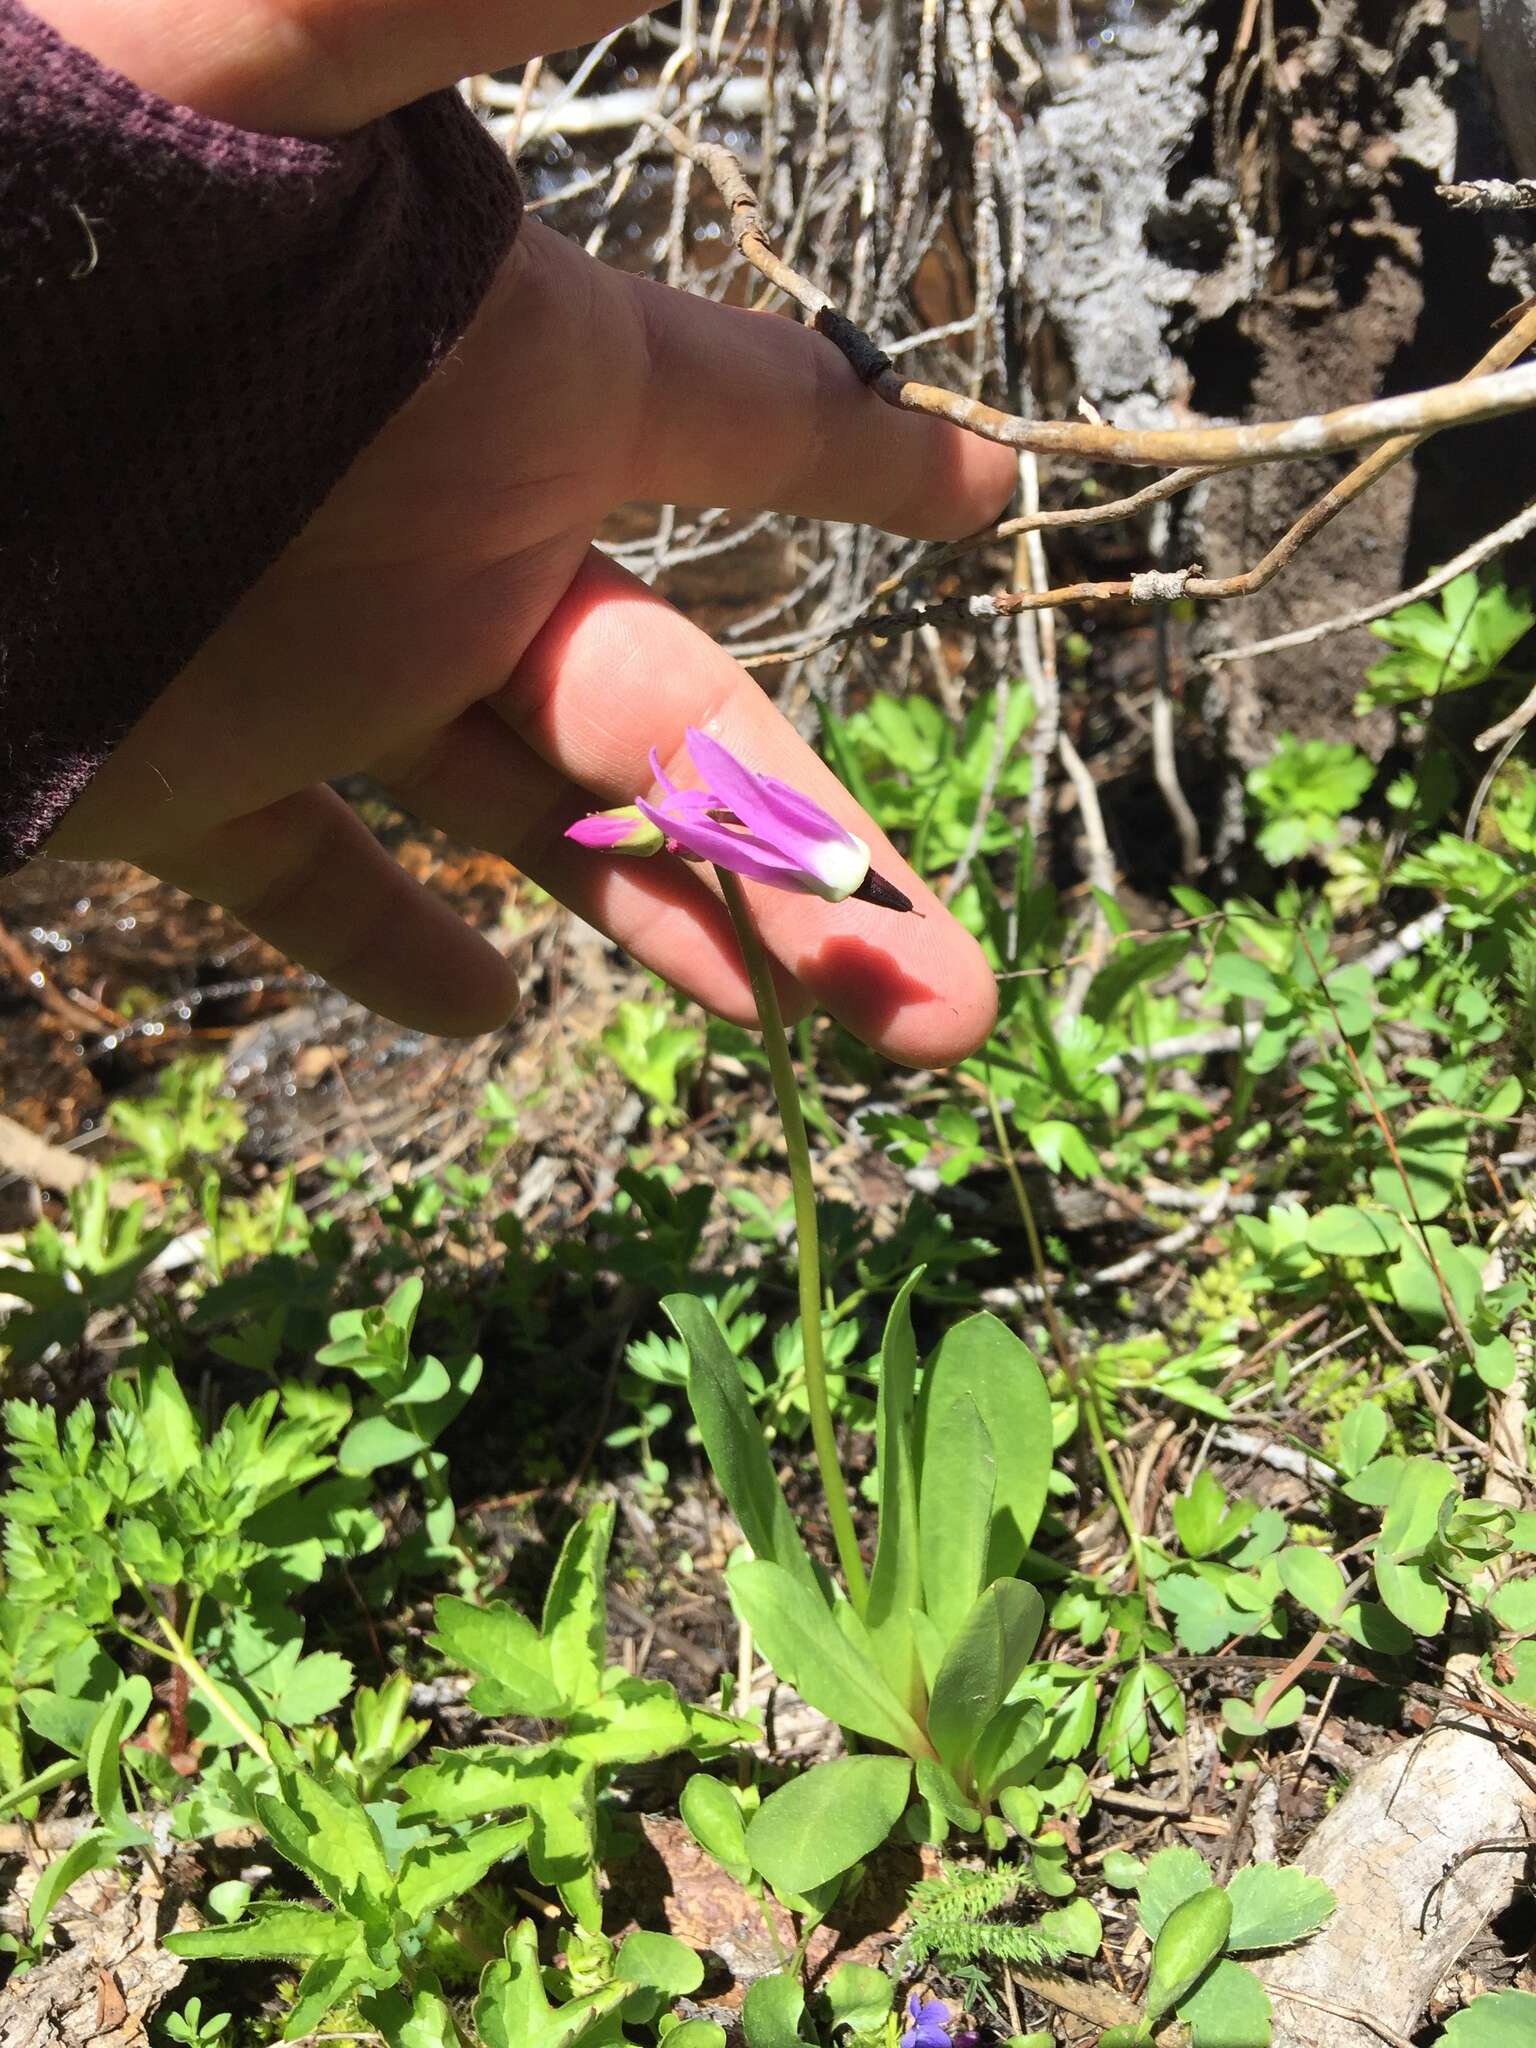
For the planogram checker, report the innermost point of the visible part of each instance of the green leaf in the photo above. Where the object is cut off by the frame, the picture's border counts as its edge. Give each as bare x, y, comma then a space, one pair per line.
1413, 1594
1011, 1747
827, 1819
798, 1635
317, 1684
895, 1580
506, 1654
378, 1440
1287, 1710
989, 1651
696, 2033
95, 1850
1169, 1878
1412, 1515
1361, 1435
322, 1829
429, 2022
276, 1933
941, 1791
1499, 2019
114, 1722
955, 1512
513, 2010
1432, 1150
660, 1962
733, 1442
858, 1996
576, 1608
1228, 2009
1342, 1232
1206, 1524
327, 1981
1061, 1147
712, 1815
1133, 962
1188, 1942
771, 2012
1314, 1580
1272, 1905
1415, 1288
1236, 974
1074, 1927
983, 1358
433, 1875
1513, 1605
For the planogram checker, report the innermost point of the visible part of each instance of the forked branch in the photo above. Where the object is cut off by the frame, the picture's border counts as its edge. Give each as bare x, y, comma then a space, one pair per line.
1414, 414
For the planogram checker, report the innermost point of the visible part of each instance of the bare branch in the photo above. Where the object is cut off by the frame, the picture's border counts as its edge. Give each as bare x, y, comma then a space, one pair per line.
1471, 557
1352, 426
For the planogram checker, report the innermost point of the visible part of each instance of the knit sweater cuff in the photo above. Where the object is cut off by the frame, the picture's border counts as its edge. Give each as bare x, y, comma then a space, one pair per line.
200, 329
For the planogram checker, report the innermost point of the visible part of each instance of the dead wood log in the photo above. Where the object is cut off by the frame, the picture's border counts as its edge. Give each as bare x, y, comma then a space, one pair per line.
1407, 1907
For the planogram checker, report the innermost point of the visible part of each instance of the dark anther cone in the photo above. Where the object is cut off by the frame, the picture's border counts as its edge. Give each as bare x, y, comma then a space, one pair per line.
876, 889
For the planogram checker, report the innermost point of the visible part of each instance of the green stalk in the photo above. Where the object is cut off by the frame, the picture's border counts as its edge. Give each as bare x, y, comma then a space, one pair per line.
807, 1242
177, 1650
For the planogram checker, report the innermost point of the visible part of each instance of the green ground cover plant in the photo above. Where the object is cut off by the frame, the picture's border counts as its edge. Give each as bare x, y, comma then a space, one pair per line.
995, 1516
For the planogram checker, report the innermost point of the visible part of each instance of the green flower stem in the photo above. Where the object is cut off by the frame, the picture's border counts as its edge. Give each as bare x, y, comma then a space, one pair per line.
178, 1651
1084, 1393
807, 1244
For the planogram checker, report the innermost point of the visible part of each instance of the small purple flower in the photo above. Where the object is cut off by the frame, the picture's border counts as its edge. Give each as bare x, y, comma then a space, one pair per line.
928, 2023
751, 824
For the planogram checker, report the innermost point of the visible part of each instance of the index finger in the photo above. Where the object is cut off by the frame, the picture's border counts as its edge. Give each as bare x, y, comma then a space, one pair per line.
615, 672
755, 412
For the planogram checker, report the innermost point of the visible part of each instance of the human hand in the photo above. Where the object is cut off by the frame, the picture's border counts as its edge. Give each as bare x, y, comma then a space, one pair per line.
444, 624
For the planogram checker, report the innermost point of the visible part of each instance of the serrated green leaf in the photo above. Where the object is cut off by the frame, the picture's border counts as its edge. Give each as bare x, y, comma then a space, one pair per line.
1274, 1904
1168, 1879
575, 1631
1228, 2008
505, 1654
1499, 2019
276, 1933
431, 1876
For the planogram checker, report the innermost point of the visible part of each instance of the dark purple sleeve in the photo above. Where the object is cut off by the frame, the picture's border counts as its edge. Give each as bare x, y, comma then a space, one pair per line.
200, 329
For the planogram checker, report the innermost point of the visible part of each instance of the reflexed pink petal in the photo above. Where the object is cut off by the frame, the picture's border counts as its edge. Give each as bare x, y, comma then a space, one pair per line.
783, 817
740, 852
